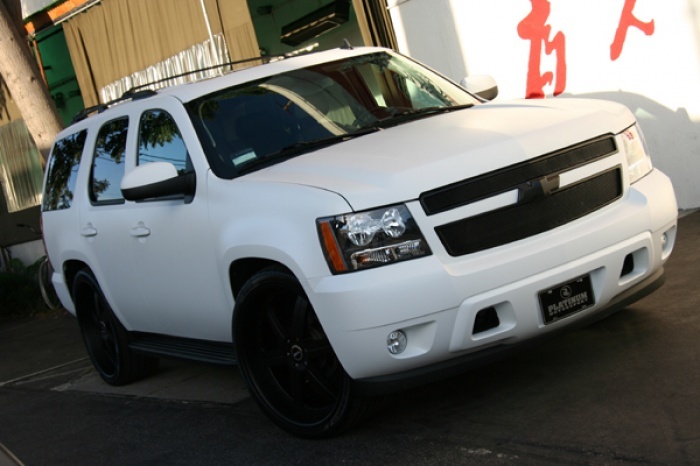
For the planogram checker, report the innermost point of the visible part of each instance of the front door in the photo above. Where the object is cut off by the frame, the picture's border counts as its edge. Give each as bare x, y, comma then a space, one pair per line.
173, 255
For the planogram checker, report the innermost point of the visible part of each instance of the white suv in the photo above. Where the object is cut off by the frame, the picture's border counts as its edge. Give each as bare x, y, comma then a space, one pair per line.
345, 223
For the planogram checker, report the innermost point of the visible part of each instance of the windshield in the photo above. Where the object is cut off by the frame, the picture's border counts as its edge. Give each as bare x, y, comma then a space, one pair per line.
247, 127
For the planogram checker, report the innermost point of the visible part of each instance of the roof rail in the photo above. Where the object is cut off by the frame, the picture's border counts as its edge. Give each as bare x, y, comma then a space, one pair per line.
208, 68
84, 113
141, 91
264, 59
131, 94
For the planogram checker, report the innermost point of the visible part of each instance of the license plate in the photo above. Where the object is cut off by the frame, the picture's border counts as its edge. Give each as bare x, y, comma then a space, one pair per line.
566, 299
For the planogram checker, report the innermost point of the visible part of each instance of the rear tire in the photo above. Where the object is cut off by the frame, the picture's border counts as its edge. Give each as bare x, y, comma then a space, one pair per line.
104, 336
287, 361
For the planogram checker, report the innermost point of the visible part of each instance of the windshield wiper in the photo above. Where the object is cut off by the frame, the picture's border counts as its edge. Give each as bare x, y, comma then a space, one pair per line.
301, 147
403, 115
304, 146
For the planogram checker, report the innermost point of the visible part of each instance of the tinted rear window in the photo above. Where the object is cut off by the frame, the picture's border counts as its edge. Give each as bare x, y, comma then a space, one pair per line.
62, 171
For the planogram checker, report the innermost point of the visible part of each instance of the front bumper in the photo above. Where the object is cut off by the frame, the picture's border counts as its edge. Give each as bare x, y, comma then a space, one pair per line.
435, 300
382, 384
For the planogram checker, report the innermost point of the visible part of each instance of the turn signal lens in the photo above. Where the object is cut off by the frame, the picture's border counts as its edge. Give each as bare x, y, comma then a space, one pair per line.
638, 160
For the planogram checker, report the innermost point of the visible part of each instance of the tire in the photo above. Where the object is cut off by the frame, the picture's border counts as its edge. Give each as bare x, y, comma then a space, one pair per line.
104, 337
287, 361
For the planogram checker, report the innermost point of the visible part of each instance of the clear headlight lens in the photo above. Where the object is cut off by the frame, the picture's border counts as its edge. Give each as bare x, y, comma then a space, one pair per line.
362, 240
638, 160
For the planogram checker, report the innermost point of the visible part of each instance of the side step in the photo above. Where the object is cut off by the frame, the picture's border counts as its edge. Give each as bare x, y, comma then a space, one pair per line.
212, 352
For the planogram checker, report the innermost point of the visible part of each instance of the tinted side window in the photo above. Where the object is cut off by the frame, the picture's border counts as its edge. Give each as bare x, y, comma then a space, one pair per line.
62, 171
160, 141
108, 163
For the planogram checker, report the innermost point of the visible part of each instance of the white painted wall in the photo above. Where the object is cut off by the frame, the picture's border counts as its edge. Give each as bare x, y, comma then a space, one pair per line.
657, 75
28, 253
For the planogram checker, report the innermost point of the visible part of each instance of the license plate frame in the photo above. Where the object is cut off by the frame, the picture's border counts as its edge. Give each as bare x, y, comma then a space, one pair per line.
566, 299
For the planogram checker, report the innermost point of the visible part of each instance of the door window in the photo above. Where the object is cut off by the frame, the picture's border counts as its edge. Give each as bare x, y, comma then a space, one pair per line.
160, 141
108, 163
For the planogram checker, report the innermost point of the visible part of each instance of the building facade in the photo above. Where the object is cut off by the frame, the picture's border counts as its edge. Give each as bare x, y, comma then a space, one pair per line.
642, 53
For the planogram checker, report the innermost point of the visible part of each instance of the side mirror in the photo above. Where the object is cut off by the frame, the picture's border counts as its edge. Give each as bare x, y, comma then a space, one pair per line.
157, 180
482, 85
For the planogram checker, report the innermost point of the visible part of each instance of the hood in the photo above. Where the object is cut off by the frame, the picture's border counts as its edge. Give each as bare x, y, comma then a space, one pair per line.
397, 164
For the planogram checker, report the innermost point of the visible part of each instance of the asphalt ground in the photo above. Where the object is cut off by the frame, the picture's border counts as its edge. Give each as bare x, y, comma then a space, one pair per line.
625, 390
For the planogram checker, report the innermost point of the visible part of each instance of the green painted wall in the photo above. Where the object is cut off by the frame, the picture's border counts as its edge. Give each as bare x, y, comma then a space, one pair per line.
268, 25
59, 71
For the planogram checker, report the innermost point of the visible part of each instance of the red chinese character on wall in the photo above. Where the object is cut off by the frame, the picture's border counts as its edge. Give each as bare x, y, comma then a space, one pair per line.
626, 21
535, 29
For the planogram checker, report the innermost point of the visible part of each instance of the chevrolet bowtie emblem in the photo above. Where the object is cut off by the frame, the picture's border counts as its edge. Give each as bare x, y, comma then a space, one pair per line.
538, 189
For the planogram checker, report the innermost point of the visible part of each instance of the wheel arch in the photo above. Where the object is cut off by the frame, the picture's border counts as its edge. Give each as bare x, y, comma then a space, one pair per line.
241, 270
70, 269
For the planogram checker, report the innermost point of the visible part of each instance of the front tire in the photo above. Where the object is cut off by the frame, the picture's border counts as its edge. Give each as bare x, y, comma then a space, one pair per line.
287, 361
104, 337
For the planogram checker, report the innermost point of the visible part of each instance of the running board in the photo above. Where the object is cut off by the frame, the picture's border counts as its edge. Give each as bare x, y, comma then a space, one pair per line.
212, 352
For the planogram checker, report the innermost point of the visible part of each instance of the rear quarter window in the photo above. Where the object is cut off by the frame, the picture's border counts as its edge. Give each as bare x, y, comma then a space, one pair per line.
63, 171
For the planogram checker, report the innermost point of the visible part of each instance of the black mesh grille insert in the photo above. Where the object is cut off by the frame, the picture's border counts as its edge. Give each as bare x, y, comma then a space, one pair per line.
490, 184
521, 221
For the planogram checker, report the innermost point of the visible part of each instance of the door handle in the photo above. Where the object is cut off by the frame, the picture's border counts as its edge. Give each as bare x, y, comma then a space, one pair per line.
140, 231
88, 231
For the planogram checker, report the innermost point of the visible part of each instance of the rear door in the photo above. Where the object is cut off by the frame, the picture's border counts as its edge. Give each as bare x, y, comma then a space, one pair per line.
104, 226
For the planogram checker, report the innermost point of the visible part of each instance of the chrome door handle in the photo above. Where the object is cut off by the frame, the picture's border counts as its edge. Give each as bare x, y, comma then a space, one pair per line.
140, 231
88, 231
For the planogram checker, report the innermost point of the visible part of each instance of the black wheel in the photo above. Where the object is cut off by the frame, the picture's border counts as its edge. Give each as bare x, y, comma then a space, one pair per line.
104, 336
287, 361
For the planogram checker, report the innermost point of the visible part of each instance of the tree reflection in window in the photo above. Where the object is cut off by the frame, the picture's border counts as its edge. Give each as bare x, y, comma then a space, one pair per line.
108, 162
160, 141
62, 171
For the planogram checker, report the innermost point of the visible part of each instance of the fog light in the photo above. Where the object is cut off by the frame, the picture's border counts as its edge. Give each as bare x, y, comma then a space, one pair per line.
396, 342
664, 241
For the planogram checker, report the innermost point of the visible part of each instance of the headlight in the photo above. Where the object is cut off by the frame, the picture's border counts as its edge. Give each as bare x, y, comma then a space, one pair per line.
362, 240
638, 160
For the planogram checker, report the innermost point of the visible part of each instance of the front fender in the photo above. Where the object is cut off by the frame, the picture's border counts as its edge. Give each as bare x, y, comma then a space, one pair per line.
273, 221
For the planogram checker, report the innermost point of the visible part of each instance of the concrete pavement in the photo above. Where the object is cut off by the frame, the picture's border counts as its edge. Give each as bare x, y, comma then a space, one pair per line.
47, 352
623, 391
